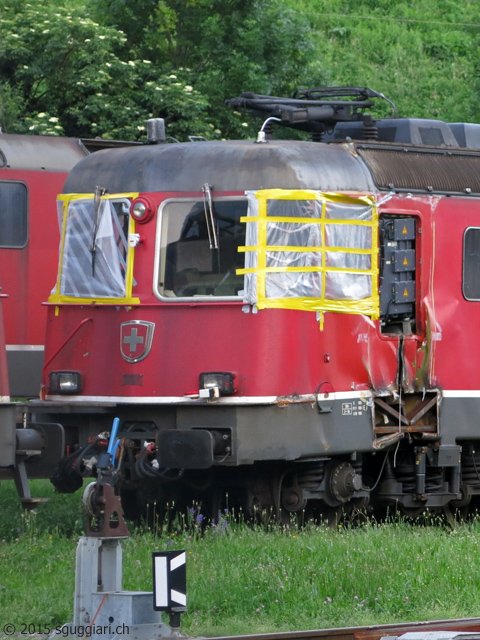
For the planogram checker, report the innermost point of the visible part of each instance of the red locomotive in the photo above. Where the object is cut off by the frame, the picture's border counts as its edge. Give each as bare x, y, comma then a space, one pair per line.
26, 449
7, 417
282, 321
32, 172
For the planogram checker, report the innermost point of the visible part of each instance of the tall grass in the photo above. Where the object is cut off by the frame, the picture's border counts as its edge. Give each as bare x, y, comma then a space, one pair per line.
62, 515
252, 579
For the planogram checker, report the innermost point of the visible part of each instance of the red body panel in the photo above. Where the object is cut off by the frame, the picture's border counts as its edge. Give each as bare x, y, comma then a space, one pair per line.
28, 274
280, 352
274, 353
455, 341
4, 387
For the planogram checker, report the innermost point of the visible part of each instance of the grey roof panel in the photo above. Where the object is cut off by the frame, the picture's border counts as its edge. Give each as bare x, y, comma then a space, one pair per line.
39, 153
225, 165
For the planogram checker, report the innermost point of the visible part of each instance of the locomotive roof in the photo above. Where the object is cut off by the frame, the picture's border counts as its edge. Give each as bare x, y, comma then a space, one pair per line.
39, 153
226, 165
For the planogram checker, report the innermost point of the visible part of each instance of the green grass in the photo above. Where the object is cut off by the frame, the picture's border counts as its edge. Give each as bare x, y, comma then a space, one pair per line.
62, 515
251, 579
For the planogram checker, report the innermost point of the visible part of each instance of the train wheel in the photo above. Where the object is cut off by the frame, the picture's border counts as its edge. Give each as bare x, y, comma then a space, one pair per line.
141, 508
131, 504
349, 513
334, 516
449, 516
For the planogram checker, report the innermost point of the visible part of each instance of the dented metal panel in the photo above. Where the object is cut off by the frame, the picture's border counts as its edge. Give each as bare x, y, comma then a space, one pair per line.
413, 169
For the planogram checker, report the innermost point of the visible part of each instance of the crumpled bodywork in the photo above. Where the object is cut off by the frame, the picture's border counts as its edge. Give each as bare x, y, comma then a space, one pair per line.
400, 360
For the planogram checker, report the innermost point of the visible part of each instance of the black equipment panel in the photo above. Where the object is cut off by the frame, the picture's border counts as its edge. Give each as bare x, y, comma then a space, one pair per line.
397, 269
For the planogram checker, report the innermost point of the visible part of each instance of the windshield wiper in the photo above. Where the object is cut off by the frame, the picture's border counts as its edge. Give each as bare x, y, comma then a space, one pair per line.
99, 192
209, 216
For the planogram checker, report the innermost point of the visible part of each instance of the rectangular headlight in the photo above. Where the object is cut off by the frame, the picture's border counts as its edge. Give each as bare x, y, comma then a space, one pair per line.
65, 382
224, 381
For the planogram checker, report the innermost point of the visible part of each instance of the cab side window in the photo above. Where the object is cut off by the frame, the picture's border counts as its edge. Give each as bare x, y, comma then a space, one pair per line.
471, 264
13, 215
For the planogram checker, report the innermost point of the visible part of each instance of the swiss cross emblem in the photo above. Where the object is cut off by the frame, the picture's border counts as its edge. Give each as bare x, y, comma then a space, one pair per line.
136, 339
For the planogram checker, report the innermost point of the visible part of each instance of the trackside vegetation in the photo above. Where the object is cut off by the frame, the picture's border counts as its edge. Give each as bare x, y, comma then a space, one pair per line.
250, 579
93, 68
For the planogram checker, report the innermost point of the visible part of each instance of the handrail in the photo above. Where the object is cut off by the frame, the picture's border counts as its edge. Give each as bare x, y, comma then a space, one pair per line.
64, 343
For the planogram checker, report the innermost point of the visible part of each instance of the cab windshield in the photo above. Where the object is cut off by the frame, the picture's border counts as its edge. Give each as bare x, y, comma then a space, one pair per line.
199, 252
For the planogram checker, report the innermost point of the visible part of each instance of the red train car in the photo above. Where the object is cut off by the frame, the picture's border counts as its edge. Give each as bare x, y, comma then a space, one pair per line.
288, 322
32, 172
7, 416
26, 450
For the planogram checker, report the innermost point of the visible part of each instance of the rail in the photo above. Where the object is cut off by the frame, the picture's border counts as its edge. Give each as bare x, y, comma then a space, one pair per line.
374, 632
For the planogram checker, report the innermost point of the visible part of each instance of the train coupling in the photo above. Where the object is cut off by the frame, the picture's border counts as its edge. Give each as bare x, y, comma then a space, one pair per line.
29, 450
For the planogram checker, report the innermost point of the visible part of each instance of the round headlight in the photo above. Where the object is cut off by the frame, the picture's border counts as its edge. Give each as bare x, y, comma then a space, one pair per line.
142, 210
139, 210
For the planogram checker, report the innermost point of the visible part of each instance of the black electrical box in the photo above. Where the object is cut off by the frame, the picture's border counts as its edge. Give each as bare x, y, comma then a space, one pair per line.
397, 269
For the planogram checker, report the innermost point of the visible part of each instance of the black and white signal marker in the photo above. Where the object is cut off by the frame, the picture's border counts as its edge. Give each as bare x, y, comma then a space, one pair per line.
169, 580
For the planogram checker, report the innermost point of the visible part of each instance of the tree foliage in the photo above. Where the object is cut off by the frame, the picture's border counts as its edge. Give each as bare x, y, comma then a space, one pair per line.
228, 46
103, 67
63, 73
106, 71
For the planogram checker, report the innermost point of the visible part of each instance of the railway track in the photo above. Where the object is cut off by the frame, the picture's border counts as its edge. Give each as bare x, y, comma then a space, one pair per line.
374, 632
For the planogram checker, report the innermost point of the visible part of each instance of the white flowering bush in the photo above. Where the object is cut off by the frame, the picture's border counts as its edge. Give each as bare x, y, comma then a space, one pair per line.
263, 46
103, 67
62, 73
44, 124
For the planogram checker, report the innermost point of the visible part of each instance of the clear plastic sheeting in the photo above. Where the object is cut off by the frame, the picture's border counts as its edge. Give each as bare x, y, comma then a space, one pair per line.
311, 250
94, 249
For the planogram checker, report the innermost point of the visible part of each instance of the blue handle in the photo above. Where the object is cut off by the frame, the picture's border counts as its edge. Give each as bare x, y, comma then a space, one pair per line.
113, 437
114, 450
